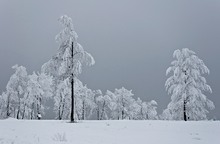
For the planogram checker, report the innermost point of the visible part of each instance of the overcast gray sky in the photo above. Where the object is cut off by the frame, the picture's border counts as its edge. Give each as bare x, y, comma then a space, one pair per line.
131, 41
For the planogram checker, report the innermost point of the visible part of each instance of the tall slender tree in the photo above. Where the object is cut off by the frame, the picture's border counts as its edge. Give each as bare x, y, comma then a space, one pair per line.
67, 63
186, 86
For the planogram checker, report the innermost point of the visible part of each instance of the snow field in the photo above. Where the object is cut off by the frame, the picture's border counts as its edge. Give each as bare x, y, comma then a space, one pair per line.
109, 132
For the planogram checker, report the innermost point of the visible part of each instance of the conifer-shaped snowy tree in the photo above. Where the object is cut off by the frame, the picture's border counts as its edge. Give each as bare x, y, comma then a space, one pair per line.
67, 63
187, 86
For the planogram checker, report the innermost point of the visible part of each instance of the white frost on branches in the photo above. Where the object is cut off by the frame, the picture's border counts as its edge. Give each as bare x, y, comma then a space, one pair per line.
25, 94
67, 63
187, 86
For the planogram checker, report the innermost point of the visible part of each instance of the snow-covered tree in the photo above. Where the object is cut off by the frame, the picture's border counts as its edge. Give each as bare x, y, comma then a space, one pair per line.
134, 110
16, 88
121, 103
139, 107
46, 82
147, 110
24, 91
105, 104
166, 115
62, 100
84, 103
39, 89
187, 86
102, 104
97, 97
68, 61
84, 100
3, 103
35, 93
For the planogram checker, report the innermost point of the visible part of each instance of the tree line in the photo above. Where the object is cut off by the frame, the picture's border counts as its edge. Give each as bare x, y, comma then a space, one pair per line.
25, 95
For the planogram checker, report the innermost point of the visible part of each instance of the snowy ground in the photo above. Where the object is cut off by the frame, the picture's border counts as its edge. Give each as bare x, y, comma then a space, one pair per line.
109, 132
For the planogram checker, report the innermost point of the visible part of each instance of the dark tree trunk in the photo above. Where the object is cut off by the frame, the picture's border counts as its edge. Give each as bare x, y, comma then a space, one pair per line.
103, 111
123, 112
23, 111
18, 113
59, 110
63, 104
37, 105
14, 112
98, 113
72, 91
119, 114
32, 111
184, 110
8, 106
72, 99
83, 112
142, 116
185, 99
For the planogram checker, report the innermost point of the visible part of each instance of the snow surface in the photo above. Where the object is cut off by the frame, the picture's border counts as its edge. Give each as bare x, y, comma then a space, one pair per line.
109, 132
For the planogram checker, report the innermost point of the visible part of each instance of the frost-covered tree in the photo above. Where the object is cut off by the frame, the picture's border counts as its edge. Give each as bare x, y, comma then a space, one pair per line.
139, 107
16, 89
3, 102
35, 93
105, 104
26, 92
45, 81
102, 105
134, 110
187, 86
121, 103
62, 100
68, 61
147, 110
84, 101
97, 97
39, 89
